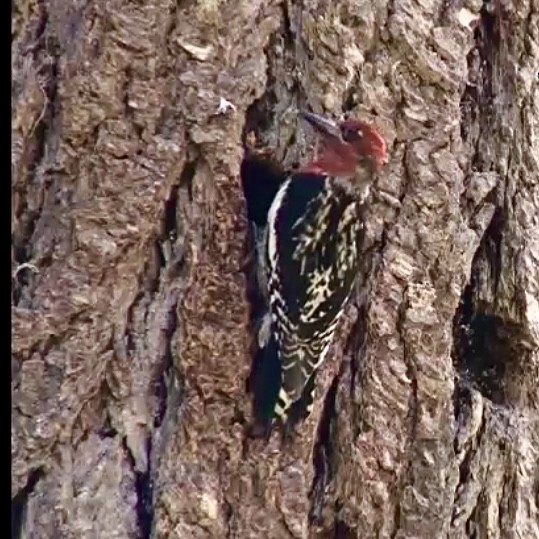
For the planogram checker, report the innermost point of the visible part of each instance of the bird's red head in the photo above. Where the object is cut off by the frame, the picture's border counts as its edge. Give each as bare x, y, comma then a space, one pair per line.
345, 146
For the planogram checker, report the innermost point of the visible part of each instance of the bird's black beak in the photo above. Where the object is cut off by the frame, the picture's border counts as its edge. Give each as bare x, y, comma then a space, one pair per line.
323, 126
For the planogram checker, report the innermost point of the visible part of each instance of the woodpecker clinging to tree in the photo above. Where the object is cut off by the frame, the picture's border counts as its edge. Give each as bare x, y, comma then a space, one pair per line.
311, 258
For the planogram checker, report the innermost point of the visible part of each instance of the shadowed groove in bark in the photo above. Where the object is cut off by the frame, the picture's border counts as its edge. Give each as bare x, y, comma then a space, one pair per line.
287, 32
353, 96
164, 375
356, 344
412, 421
258, 118
19, 503
144, 492
323, 454
47, 74
357, 337
164, 386
186, 180
480, 353
487, 347
485, 343
469, 426
272, 114
477, 102
170, 252
171, 204
164, 371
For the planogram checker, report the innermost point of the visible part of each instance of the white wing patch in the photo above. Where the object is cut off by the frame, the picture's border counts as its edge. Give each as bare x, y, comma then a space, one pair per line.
272, 224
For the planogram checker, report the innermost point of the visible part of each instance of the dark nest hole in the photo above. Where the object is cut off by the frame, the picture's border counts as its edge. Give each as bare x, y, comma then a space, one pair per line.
485, 351
260, 178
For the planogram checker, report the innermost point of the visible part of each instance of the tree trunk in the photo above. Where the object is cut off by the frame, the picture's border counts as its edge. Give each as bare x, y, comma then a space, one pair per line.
130, 314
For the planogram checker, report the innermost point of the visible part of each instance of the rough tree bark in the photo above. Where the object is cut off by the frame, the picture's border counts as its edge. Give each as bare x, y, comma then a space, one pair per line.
129, 310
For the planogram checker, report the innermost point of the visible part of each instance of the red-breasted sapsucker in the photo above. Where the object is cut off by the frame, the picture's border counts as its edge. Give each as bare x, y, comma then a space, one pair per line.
311, 256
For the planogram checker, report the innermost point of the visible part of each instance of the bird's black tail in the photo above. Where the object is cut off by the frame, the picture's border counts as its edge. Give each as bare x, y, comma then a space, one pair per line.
265, 385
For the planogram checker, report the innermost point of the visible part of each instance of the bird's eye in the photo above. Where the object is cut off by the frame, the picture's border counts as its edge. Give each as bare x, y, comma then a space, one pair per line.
351, 134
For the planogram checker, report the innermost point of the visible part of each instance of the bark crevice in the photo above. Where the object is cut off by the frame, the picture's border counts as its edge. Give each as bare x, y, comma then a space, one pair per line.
20, 501
144, 491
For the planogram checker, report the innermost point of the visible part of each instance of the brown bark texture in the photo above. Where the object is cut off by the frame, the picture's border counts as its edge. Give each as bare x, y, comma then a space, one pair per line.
130, 317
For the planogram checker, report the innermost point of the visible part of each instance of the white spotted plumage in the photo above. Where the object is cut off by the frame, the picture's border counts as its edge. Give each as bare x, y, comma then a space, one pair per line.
304, 340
